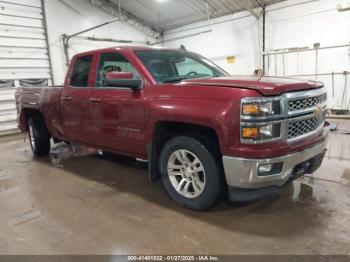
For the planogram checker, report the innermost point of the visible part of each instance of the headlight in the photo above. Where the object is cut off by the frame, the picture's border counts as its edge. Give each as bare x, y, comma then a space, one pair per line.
256, 109
261, 109
261, 133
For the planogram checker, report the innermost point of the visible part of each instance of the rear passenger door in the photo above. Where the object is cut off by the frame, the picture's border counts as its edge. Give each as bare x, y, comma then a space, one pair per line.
75, 100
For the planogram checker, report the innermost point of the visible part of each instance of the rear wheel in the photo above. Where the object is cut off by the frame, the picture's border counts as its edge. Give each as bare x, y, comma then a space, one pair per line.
190, 173
39, 137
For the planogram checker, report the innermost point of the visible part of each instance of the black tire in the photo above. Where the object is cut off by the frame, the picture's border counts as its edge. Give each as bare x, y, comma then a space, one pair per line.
39, 138
214, 184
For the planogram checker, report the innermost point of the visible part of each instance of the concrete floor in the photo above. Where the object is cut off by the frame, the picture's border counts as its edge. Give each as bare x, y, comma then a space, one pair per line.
108, 206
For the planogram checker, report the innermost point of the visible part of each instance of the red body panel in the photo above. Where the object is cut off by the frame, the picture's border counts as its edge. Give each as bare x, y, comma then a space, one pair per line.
47, 101
267, 86
123, 120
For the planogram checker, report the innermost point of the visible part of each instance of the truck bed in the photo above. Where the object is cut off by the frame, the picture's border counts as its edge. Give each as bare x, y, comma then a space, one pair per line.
44, 98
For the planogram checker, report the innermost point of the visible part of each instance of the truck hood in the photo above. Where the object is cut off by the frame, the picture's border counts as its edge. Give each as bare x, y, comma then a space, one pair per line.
267, 86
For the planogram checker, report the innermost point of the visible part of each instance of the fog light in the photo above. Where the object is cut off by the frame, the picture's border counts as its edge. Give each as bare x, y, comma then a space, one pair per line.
265, 168
270, 169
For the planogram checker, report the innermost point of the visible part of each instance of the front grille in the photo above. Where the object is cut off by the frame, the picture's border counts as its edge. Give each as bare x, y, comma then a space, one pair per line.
296, 129
299, 116
305, 103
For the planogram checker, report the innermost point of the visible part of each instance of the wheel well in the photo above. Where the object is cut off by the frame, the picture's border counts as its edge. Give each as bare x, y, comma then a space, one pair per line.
164, 131
28, 113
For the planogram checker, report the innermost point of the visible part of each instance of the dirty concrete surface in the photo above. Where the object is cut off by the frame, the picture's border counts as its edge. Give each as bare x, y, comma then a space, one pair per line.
89, 205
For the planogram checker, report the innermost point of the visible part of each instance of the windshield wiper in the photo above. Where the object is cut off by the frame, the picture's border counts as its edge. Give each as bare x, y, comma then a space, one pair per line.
173, 80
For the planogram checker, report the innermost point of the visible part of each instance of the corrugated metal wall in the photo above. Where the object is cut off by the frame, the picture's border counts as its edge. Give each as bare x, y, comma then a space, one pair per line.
8, 123
24, 54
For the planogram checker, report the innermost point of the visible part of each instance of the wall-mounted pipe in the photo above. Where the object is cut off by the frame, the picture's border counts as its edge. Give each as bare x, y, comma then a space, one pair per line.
114, 40
46, 34
305, 50
93, 28
66, 38
264, 38
322, 74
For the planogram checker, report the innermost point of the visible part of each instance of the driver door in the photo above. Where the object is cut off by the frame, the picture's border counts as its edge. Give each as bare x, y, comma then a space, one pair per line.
118, 113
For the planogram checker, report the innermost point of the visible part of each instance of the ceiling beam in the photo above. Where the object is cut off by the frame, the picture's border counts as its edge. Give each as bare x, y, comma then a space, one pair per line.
249, 7
260, 3
126, 17
208, 4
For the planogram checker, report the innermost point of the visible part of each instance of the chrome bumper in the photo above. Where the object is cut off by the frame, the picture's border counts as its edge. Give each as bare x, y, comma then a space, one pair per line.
243, 172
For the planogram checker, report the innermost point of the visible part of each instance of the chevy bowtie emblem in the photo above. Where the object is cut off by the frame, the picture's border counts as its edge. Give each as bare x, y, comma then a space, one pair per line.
318, 112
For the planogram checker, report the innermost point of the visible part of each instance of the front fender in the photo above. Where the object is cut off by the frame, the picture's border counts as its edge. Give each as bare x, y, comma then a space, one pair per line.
217, 115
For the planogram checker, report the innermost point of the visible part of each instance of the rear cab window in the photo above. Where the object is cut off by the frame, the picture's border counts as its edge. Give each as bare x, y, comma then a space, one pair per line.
80, 71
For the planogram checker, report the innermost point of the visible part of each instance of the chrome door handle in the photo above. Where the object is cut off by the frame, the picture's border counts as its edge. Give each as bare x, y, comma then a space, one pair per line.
94, 100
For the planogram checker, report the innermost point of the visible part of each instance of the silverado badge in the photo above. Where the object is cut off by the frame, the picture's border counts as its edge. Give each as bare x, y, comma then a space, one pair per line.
318, 112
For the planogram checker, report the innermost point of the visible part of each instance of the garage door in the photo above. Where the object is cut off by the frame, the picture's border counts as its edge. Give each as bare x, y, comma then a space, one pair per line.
24, 54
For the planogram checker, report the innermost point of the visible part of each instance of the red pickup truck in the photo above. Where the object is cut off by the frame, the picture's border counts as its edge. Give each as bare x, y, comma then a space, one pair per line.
204, 133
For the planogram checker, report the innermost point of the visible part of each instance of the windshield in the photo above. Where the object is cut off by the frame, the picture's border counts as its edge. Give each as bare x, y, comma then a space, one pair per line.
172, 66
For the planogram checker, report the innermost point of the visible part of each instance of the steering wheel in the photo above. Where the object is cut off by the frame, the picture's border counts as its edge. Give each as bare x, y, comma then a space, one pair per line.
192, 73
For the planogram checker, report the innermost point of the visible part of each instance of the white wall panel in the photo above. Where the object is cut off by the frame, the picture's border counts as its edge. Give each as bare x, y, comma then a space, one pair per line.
291, 23
297, 23
22, 47
68, 17
8, 113
23, 52
233, 35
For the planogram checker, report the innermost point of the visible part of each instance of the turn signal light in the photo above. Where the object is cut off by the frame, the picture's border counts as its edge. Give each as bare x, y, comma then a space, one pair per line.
250, 132
261, 108
261, 132
250, 109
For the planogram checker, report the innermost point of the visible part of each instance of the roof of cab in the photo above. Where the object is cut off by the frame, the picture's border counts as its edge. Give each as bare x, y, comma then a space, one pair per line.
132, 48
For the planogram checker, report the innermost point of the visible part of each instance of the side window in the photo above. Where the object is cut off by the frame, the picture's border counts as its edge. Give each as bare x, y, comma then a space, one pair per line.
112, 62
189, 66
80, 73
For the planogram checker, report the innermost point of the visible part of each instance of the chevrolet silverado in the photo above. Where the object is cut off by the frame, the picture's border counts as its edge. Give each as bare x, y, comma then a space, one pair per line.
204, 133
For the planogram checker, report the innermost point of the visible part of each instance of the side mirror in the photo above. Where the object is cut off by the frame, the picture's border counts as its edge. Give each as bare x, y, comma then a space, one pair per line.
123, 79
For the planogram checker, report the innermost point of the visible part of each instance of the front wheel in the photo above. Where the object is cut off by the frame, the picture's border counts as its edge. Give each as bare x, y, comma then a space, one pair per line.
190, 173
39, 137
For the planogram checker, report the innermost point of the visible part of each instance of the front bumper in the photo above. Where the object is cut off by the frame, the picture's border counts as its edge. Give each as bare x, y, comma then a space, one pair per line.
245, 183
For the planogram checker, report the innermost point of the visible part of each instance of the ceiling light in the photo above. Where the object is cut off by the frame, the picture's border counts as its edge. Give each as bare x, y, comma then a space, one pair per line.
343, 7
